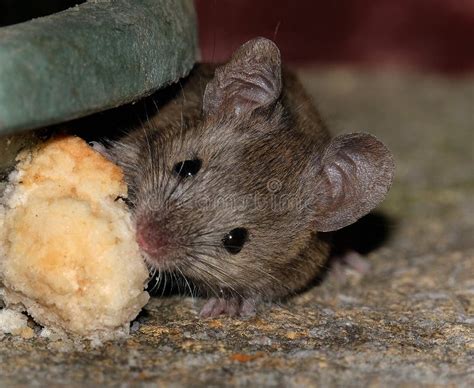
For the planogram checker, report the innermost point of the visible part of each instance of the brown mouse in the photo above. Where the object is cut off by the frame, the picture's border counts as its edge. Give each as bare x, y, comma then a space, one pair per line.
232, 181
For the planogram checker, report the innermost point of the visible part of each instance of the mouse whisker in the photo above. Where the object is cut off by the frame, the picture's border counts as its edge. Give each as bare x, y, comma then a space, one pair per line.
186, 281
217, 271
201, 275
152, 273
185, 188
151, 158
151, 177
159, 278
165, 277
176, 282
163, 184
224, 275
157, 283
244, 268
200, 271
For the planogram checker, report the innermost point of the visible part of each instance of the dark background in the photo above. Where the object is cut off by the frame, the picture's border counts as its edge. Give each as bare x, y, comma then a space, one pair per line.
433, 35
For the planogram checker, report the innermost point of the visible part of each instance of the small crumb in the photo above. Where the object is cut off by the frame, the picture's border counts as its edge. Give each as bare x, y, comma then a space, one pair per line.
215, 324
12, 322
292, 335
26, 333
323, 364
261, 341
240, 357
45, 332
296, 334
50, 334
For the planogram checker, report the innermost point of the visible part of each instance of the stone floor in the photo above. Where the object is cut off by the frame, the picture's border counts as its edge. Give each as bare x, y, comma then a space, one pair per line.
409, 320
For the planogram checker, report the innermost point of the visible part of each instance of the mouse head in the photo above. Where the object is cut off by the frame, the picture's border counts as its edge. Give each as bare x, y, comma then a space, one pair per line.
232, 199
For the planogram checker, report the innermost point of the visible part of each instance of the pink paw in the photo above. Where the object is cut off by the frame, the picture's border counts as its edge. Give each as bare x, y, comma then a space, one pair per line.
350, 261
232, 307
357, 262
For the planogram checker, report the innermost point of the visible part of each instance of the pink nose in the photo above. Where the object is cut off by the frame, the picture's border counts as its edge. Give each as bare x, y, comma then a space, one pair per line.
150, 238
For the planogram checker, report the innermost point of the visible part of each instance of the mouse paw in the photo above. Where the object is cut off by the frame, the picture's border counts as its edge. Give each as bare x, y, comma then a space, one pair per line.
350, 261
232, 307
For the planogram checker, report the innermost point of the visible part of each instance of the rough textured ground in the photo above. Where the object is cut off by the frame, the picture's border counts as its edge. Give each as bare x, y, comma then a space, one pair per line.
410, 320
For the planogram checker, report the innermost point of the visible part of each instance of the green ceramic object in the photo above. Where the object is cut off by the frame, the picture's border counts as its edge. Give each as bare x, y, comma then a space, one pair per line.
94, 56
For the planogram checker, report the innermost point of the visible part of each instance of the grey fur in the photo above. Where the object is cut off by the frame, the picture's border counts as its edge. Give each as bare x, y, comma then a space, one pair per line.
268, 165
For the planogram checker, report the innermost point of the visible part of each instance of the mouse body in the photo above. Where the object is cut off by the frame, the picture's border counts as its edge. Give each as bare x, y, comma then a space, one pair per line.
232, 182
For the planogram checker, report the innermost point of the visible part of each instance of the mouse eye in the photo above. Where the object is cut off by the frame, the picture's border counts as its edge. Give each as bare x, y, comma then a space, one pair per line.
188, 168
235, 240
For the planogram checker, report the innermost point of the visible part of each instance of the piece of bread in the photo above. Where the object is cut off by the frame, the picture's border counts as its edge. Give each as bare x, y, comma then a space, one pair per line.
68, 250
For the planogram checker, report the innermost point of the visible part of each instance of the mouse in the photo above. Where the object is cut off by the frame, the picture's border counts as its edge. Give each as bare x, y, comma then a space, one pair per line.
235, 182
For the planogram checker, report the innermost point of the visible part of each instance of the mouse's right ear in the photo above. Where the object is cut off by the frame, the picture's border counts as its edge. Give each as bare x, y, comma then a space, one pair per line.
250, 80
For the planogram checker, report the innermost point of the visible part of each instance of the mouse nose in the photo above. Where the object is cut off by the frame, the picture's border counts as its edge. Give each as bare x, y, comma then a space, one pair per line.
150, 238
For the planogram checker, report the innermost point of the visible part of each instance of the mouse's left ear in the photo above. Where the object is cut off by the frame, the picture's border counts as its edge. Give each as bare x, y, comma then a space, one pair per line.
250, 80
355, 174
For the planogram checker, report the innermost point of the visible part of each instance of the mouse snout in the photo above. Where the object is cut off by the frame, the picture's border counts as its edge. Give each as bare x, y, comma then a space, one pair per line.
151, 238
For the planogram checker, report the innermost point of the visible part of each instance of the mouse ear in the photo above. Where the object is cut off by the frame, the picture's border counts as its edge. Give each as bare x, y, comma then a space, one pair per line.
356, 174
250, 80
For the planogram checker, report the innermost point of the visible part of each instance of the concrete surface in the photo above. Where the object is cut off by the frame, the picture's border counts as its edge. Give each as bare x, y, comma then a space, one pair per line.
408, 321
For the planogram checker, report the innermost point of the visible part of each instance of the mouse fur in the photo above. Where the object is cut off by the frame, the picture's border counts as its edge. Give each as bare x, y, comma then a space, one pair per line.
268, 165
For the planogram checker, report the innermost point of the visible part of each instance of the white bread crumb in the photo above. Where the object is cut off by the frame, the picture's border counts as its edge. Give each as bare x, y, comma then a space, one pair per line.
68, 253
12, 322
